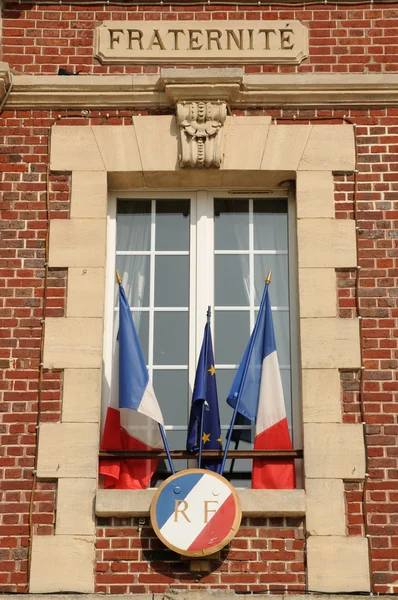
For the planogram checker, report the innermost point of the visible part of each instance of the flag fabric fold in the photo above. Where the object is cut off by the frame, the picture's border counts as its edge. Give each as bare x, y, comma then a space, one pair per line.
133, 415
257, 388
205, 391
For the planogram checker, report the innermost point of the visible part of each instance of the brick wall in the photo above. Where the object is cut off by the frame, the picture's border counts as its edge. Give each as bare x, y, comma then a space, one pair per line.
23, 160
266, 554
348, 39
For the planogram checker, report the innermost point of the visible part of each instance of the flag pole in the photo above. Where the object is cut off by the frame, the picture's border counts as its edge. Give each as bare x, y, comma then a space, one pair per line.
232, 424
166, 447
161, 428
202, 409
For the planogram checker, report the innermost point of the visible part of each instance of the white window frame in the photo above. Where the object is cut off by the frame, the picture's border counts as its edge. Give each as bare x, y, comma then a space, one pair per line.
202, 226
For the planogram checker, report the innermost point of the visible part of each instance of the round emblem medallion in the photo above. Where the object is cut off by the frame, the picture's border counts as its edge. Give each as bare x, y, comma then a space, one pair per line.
195, 512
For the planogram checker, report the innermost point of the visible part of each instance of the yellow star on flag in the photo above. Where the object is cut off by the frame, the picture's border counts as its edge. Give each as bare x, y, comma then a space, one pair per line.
212, 370
219, 439
206, 437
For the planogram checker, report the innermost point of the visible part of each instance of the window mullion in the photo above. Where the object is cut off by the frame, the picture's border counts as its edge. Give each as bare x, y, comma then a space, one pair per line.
251, 264
192, 292
204, 263
294, 325
152, 289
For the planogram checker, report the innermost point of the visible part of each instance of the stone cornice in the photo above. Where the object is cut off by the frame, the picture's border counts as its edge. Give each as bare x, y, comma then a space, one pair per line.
230, 85
5, 80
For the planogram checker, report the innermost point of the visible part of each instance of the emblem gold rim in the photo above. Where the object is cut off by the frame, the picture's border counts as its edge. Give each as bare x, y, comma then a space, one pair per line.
205, 551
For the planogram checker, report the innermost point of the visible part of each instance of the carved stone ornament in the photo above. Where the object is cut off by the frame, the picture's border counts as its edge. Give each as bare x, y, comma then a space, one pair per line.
201, 133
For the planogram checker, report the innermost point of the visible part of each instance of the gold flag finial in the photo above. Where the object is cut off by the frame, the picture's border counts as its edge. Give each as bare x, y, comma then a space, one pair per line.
268, 279
119, 279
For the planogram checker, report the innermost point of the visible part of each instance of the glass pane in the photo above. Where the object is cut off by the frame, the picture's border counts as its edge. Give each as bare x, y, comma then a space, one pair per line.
287, 394
177, 441
282, 336
279, 288
171, 281
231, 334
171, 338
232, 280
225, 378
171, 388
133, 225
270, 223
240, 465
134, 271
231, 224
172, 225
141, 322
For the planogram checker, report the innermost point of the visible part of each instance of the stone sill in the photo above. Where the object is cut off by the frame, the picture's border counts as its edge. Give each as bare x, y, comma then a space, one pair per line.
136, 503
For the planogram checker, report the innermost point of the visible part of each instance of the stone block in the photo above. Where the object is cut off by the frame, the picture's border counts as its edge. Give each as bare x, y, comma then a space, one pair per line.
334, 451
330, 343
74, 148
315, 194
284, 147
273, 503
68, 450
86, 292
89, 195
77, 243
325, 507
73, 343
81, 398
321, 396
329, 148
317, 293
118, 147
338, 564
247, 132
124, 503
326, 243
157, 142
62, 563
75, 507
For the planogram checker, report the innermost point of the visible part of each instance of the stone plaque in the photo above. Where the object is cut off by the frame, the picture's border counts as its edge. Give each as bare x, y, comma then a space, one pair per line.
201, 42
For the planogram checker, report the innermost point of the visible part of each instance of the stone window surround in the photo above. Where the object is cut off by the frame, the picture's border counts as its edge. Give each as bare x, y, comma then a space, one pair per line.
144, 156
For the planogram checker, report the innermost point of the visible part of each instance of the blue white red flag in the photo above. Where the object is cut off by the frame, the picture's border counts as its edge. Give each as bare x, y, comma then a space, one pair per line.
197, 527
258, 387
205, 391
133, 413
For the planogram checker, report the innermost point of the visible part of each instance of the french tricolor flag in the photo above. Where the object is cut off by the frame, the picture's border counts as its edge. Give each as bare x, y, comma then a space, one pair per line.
257, 388
133, 415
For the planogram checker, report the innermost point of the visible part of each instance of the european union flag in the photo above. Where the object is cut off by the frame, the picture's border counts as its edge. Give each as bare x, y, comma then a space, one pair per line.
205, 391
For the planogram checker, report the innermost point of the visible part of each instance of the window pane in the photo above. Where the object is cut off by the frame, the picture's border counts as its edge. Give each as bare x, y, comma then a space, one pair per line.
240, 465
171, 281
282, 336
279, 288
134, 271
171, 388
287, 392
133, 225
177, 441
232, 280
172, 225
225, 378
171, 338
231, 224
231, 334
270, 223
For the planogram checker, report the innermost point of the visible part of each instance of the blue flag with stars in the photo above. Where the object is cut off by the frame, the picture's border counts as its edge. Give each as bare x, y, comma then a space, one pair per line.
205, 391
